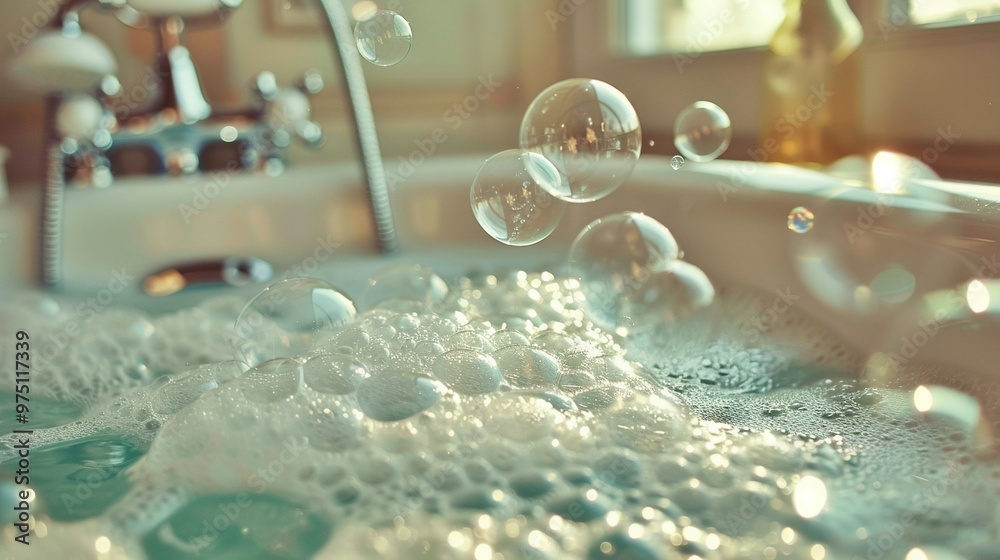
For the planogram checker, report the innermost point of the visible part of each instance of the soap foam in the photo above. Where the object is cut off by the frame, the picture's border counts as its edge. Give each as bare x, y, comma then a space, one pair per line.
693, 441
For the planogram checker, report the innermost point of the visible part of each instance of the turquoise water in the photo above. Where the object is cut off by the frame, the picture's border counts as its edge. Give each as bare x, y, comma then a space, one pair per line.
81, 478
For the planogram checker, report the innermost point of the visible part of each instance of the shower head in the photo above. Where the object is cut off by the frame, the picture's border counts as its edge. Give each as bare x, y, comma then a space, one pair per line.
56, 61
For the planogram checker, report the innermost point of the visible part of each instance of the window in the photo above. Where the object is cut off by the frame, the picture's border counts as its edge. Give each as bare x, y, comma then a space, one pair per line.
951, 12
652, 27
658, 27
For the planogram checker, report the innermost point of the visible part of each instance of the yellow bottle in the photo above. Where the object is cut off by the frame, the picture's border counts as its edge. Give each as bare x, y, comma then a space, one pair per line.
811, 110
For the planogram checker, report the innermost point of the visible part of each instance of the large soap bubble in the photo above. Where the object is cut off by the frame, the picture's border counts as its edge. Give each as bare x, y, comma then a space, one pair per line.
285, 319
590, 131
510, 197
614, 257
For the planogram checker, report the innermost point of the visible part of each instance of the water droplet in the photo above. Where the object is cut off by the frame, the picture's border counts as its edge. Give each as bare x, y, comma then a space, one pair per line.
589, 131
511, 197
677, 162
286, 319
800, 219
384, 38
702, 131
614, 256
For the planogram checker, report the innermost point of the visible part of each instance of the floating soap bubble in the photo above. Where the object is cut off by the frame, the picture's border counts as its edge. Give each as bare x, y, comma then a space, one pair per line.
285, 319
614, 256
383, 37
403, 285
589, 131
800, 219
510, 197
678, 290
702, 131
677, 162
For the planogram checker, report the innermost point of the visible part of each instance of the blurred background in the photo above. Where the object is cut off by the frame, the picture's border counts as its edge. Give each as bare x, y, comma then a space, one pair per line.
925, 68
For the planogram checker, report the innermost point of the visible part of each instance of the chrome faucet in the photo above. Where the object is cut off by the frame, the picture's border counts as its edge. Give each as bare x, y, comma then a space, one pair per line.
93, 135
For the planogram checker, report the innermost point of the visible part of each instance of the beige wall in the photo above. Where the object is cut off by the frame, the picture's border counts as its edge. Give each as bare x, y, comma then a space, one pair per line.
456, 43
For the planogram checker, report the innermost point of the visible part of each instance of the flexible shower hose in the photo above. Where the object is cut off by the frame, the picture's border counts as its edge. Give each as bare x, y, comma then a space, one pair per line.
346, 53
53, 191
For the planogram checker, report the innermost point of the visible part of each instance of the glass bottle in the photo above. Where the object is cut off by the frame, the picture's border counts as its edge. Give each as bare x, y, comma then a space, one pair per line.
811, 112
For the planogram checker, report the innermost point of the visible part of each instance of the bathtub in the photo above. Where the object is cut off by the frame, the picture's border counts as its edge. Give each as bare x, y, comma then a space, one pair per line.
729, 218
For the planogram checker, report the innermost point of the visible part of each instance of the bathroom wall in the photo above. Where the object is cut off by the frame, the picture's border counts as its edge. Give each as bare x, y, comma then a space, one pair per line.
458, 45
912, 84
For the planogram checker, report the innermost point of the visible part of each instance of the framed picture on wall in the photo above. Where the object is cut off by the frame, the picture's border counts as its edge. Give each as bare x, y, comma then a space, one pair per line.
292, 16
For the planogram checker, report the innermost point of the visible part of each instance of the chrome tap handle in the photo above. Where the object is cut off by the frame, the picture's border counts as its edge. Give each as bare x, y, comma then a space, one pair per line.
310, 83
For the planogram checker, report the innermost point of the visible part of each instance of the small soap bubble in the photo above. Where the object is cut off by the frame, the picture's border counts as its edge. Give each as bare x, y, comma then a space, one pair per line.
271, 381
509, 201
383, 37
702, 131
334, 374
287, 318
403, 286
589, 131
395, 395
613, 257
527, 367
800, 219
677, 162
468, 372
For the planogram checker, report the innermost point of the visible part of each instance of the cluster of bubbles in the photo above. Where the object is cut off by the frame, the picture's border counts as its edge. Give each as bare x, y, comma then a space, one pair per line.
702, 132
383, 37
580, 140
490, 418
631, 274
